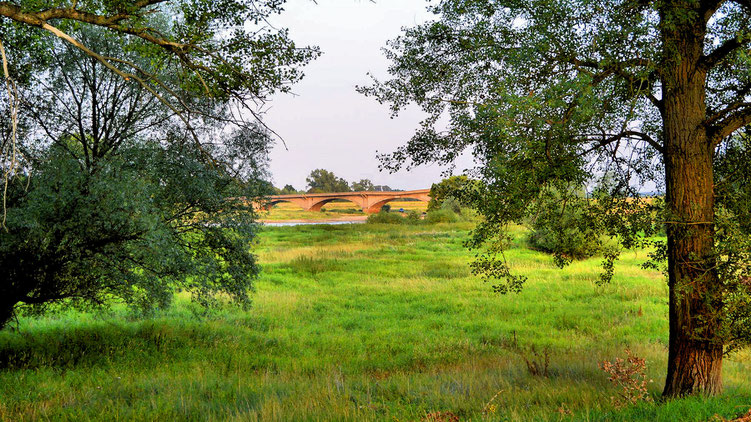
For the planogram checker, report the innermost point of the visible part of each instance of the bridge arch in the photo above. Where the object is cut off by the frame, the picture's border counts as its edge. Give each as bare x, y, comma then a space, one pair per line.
370, 202
316, 206
268, 205
376, 207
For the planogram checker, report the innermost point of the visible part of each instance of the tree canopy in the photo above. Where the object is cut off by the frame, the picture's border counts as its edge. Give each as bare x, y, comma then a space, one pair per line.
218, 51
364, 185
555, 95
287, 190
133, 126
320, 181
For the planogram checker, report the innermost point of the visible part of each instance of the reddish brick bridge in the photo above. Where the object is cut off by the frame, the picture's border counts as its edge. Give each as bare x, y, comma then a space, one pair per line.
370, 202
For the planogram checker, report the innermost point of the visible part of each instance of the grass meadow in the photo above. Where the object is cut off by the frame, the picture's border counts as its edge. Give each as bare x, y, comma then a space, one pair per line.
365, 323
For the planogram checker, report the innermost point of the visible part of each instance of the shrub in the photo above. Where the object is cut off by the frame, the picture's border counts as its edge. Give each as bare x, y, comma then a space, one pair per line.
538, 362
565, 240
451, 204
459, 188
413, 217
441, 216
385, 218
630, 376
386, 208
561, 227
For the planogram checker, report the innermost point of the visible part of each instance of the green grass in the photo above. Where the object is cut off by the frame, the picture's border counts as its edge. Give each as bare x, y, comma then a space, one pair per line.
363, 322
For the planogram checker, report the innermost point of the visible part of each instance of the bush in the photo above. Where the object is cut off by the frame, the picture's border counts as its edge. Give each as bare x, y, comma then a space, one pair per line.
413, 217
630, 376
385, 218
451, 204
569, 242
442, 216
459, 188
561, 227
386, 208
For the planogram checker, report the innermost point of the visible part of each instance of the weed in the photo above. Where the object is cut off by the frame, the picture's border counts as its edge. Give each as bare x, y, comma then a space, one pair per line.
490, 408
440, 417
313, 266
537, 362
629, 376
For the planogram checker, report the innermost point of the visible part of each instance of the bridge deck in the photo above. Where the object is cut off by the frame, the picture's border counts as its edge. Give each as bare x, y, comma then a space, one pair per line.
342, 194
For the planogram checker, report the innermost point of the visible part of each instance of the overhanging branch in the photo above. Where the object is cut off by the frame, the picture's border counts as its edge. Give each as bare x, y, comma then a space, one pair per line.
605, 140
720, 53
728, 125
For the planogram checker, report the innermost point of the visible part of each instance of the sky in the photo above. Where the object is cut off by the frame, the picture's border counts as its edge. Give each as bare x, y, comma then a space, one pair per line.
326, 123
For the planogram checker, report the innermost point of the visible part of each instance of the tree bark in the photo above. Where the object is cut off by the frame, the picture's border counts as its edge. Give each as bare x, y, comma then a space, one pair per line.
695, 302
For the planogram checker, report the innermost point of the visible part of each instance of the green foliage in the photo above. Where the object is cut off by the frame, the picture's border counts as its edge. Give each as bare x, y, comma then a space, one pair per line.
450, 203
456, 188
385, 217
733, 188
189, 57
324, 181
117, 203
131, 230
563, 228
442, 216
288, 190
364, 185
549, 94
413, 217
221, 49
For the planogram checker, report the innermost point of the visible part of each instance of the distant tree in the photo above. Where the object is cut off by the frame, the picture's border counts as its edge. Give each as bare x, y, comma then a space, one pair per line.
320, 181
457, 187
364, 185
288, 190
552, 94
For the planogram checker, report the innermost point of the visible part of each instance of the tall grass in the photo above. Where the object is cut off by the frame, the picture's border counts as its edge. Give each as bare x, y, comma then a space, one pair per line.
364, 323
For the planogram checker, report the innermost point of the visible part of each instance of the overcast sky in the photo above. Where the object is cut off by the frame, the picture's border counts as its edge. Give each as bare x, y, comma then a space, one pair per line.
327, 124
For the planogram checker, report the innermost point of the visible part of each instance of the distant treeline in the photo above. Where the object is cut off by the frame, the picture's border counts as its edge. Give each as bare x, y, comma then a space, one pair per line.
324, 181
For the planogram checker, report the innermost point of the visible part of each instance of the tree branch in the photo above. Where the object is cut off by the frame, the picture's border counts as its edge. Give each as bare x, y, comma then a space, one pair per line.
620, 70
607, 140
720, 53
717, 133
12, 157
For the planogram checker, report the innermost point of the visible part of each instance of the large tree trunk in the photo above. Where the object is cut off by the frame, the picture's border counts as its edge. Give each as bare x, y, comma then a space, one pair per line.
695, 303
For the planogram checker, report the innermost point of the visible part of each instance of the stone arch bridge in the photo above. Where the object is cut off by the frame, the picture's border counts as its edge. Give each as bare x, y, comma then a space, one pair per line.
370, 202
